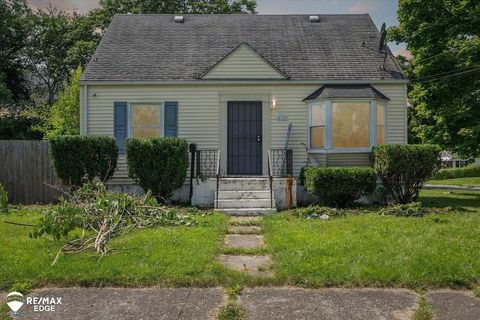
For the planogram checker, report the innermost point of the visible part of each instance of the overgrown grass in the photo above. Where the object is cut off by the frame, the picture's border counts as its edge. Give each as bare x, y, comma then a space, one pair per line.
367, 249
424, 311
467, 182
174, 256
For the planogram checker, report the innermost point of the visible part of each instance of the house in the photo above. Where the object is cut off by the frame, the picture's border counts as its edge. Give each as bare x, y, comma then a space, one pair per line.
260, 95
451, 160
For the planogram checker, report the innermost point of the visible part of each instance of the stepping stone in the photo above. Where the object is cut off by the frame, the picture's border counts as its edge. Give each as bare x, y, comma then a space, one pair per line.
244, 229
453, 305
249, 241
245, 219
253, 265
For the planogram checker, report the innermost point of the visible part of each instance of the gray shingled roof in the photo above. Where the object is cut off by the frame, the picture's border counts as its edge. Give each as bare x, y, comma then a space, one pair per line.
154, 47
339, 91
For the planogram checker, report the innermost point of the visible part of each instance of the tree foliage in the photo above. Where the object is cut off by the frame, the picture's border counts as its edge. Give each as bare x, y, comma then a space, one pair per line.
108, 8
14, 30
444, 39
64, 117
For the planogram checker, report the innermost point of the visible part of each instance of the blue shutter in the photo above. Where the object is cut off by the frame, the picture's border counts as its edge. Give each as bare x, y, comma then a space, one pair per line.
171, 119
120, 124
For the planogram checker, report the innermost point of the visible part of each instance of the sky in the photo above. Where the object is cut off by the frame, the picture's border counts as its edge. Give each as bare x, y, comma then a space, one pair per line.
380, 10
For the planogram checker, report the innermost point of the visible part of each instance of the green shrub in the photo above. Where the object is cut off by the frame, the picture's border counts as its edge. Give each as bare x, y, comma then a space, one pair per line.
403, 169
3, 200
158, 164
339, 187
472, 170
83, 157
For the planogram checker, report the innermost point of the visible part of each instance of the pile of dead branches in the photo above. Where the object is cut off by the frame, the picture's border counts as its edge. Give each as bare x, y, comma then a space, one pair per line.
102, 215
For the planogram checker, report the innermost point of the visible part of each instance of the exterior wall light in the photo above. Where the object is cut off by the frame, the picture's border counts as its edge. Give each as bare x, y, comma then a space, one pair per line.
274, 103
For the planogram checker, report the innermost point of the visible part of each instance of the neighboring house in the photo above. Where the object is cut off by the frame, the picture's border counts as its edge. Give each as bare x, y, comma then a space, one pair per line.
234, 83
451, 160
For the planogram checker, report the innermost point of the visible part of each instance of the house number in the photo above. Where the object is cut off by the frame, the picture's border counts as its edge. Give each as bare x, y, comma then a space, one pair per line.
282, 116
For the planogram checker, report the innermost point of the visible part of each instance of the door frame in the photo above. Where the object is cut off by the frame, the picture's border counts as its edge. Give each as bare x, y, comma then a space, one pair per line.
223, 102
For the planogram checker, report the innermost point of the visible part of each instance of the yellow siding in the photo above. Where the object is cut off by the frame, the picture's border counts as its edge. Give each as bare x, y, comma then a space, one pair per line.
199, 116
243, 63
396, 112
348, 160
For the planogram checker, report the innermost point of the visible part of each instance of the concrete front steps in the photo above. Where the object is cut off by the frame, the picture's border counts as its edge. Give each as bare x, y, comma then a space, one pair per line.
244, 196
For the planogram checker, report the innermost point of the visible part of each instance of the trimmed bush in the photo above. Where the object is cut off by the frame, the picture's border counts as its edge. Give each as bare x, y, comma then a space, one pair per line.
158, 164
403, 169
3, 200
472, 170
76, 158
339, 187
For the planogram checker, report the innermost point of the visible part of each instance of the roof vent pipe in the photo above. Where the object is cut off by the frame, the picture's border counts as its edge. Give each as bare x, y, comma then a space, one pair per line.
179, 19
314, 19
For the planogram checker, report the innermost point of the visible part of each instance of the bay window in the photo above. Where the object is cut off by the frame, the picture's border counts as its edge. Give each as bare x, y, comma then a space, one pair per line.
317, 126
350, 124
346, 125
380, 123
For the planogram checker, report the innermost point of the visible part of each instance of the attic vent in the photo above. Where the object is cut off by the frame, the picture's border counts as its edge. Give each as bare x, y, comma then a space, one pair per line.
179, 19
314, 19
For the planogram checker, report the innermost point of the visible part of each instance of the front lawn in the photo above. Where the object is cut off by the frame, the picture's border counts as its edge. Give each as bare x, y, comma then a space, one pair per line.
467, 182
160, 256
441, 250
438, 250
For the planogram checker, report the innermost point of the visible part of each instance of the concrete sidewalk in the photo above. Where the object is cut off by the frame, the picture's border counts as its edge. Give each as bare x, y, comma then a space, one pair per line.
260, 303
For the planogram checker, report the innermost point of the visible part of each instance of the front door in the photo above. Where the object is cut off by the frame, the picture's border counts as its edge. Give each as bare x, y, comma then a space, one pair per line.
244, 154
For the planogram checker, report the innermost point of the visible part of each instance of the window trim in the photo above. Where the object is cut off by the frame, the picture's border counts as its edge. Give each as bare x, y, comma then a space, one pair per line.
328, 148
130, 107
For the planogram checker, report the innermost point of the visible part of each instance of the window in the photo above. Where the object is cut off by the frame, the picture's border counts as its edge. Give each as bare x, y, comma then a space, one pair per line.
346, 125
380, 123
317, 126
146, 121
350, 125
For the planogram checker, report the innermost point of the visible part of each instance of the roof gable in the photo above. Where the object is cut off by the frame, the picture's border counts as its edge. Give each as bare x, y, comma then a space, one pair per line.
243, 62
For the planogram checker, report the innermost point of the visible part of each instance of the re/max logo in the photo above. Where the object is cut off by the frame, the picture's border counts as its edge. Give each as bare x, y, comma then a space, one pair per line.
44, 303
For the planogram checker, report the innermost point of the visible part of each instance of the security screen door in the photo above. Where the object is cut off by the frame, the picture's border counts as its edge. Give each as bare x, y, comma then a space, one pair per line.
244, 154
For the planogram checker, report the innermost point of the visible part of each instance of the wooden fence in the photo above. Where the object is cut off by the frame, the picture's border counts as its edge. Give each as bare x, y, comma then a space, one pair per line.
26, 172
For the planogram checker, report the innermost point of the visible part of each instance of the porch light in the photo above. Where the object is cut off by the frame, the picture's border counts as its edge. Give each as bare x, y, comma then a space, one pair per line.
274, 103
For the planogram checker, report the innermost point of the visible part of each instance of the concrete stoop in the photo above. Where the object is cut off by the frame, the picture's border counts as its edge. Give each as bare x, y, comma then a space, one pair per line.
244, 196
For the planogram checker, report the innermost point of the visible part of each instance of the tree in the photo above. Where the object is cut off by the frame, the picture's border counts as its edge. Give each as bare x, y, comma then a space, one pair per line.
65, 113
14, 29
108, 8
444, 39
59, 43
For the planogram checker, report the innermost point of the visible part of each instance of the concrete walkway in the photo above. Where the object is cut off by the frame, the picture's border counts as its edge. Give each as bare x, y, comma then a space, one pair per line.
244, 234
447, 187
260, 303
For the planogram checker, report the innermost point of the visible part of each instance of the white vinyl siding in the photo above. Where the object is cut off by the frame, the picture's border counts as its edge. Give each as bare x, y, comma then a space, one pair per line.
199, 116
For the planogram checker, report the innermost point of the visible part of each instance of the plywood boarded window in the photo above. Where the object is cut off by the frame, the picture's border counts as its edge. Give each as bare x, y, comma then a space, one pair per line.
350, 124
317, 126
380, 123
146, 121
